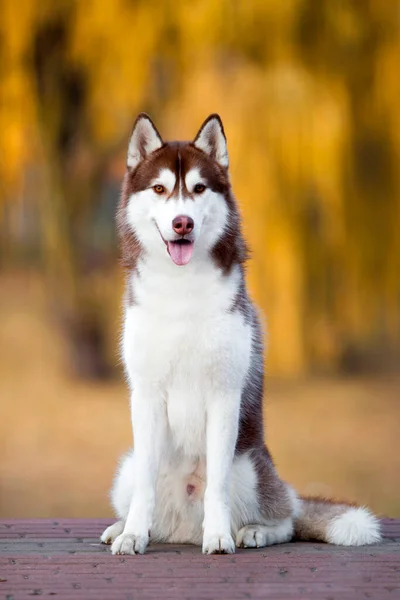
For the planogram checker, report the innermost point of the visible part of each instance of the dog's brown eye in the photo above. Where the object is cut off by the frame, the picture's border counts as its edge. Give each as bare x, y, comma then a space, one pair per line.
199, 188
159, 189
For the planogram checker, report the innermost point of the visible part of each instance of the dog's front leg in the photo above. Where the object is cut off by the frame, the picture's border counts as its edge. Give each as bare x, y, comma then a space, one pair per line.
222, 429
148, 423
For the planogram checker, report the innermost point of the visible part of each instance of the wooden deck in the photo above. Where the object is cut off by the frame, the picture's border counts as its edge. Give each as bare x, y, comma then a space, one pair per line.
64, 559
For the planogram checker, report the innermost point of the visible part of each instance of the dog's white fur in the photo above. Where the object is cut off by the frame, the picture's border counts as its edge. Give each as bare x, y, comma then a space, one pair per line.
187, 356
356, 527
176, 380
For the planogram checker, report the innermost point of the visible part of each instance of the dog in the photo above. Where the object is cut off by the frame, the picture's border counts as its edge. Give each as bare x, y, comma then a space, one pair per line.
192, 347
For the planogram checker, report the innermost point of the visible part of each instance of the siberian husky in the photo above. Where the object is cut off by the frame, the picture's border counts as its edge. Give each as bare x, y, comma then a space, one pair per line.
192, 347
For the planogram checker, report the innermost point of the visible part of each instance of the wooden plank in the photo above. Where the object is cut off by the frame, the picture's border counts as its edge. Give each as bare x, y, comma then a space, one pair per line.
63, 558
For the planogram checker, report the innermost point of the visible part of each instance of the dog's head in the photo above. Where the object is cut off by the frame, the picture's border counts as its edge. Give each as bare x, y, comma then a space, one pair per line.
176, 199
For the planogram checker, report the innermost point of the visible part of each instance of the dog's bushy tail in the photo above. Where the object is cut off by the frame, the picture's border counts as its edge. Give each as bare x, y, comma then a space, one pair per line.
336, 523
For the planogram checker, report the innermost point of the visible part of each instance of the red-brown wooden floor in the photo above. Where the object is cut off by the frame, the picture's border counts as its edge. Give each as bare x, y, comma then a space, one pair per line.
64, 559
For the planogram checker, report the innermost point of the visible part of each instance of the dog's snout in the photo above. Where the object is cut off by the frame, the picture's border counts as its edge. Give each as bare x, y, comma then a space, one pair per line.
183, 224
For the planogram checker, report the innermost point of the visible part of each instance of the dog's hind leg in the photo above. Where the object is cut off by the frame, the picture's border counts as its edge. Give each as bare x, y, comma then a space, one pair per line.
258, 536
263, 506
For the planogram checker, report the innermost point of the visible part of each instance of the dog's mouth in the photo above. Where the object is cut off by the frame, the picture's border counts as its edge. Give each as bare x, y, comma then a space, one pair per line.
180, 251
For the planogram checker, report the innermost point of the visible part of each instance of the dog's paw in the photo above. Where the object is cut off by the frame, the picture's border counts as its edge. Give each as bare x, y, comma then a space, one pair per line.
112, 532
218, 544
127, 543
258, 536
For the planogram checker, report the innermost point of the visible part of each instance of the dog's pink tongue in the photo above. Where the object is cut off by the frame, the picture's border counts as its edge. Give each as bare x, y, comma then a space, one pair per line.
180, 253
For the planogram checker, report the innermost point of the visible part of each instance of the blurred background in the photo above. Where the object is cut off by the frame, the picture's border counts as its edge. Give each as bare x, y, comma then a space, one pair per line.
309, 93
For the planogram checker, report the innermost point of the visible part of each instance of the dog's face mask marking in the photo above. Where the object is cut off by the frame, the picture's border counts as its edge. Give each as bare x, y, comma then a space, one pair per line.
176, 196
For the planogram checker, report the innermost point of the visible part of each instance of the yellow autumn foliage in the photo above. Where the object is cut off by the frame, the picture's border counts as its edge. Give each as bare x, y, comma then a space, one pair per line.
309, 95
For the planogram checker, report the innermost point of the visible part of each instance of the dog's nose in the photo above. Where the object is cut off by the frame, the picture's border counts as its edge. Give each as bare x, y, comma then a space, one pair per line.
182, 224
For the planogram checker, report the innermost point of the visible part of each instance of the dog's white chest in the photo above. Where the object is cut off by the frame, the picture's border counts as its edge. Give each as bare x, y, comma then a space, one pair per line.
186, 413
174, 355
184, 342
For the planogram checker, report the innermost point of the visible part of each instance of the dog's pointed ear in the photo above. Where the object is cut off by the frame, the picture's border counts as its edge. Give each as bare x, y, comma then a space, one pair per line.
144, 140
211, 139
